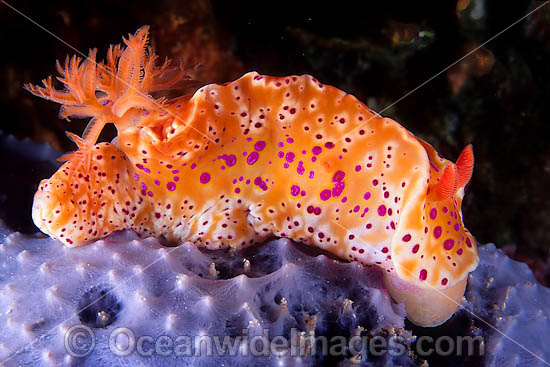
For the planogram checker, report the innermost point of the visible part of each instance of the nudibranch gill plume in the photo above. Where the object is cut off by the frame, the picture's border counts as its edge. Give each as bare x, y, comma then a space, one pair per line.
234, 164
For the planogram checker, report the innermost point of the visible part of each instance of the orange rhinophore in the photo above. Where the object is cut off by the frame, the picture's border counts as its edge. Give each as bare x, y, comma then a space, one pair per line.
237, 163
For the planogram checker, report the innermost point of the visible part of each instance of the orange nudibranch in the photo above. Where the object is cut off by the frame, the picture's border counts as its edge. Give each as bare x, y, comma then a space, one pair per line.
237, 163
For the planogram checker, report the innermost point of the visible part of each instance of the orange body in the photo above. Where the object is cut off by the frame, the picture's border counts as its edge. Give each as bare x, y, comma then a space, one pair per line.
260, 156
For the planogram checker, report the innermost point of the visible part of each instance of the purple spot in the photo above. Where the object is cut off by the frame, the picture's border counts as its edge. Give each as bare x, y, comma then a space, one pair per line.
415, 248
329, 145
338, 189
311, 174
205, 178
366, 196
317, 150
374, 182
448, 244
457, 227
290, 140
338, 176
437, 231
468, 242
344, 199
300, 169
433, 213
280, 144
150, 193
357, 168
286, 165
423, 274
176, 178
281, 154
193, 166
139, 166
171, 186
460, 251
356, 208
303, 193
382, 210
445, 210
325, 194
230, 160
252, 158
260, 145
136, 177
290, 157
157, 182
294, 190
406, 238
237, 190
260, 183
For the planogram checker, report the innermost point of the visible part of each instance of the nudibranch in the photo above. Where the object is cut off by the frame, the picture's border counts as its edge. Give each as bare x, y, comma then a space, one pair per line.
234, 164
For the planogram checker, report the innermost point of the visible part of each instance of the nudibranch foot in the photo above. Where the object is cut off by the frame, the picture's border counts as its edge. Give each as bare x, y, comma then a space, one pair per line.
237, 163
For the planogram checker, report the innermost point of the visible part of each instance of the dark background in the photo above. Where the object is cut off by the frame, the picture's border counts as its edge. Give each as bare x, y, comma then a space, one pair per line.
498, 98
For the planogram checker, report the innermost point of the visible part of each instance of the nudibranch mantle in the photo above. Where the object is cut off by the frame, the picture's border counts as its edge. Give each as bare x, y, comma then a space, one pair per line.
237, 163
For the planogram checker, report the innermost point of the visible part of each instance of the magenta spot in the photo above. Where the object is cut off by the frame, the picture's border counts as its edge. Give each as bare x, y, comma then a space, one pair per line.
290, 140
193, 166
356, 208
300, 169
136, 177
260, 145
205, 178
433, 213
260, 183
338, 176
445, 210
459, 252
311, 174
357, 168
415, 248
170, 186
290, 157
237, 190
406, 238
444, 281
344, 199
150, 193
382, 210
366, 196
286, 165
157, 182
456, 227
313, 159
252, 158
325, 194
317, 150
423, 274
374, 182
437, 231
176, 178
329, 145
338, 188
448, 244
280, 144
294, 190
468, 242
139, 166
175, 172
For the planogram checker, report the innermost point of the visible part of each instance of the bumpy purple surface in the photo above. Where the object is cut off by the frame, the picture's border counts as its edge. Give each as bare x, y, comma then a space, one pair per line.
274, 286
